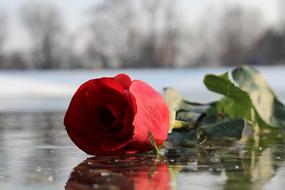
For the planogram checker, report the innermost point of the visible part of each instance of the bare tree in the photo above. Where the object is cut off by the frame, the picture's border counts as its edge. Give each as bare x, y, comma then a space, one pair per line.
171, 35
281, 15
44, 24
112, 33
71, 57
160, 43
240, 28
126, 33
148, 54
205, 47
2, 36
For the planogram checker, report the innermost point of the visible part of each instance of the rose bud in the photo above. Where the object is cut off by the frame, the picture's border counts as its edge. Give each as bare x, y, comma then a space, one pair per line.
108, 116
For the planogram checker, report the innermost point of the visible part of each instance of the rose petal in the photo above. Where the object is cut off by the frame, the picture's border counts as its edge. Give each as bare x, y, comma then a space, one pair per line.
108, 92
80, 129
105, 91
152, 114
123, 80
114, 101
107, 83
75, 121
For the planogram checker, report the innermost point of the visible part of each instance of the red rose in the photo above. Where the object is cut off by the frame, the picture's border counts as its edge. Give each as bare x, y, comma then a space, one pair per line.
114, 115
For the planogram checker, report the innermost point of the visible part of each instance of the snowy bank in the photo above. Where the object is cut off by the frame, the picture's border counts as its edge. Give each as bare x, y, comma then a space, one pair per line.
52, 90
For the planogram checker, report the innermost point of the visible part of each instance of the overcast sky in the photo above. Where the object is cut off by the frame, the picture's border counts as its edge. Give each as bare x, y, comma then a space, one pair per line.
75, 13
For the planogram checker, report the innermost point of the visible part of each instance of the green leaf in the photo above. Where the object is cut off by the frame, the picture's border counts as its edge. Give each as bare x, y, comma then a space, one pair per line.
201, 136
173, 99
182, 111
265, 102
225, 129
174, 102
236, 103
183, 124
183, 137
152, 141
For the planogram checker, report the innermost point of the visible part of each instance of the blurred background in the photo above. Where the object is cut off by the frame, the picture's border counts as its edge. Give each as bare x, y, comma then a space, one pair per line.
48, 48
97, 34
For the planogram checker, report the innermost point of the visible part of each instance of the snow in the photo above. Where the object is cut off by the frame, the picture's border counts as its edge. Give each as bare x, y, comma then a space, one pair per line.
25, 86
52, 90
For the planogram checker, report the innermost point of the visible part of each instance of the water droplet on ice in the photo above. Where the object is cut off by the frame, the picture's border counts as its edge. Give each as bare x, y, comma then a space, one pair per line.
50, 178
104, 174
39, 169
95, 186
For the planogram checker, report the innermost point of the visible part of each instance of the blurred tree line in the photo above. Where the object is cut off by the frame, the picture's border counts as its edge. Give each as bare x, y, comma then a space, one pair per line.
145, 33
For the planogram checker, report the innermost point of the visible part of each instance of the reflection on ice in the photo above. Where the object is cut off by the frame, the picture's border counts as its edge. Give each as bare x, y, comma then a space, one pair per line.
138, 172
35, 153
220, 167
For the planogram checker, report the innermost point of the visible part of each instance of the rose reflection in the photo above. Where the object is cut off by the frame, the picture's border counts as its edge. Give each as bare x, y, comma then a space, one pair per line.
129, 172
